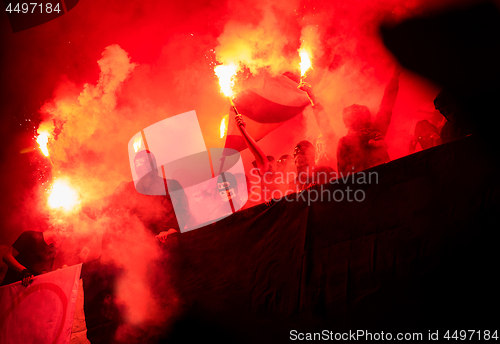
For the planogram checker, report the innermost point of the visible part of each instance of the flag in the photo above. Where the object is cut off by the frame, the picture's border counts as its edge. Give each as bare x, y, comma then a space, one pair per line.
42, 312
176, 148
266, 103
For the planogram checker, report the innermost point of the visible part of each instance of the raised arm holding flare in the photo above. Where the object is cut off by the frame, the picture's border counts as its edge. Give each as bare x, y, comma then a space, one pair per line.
326, 142
263, 164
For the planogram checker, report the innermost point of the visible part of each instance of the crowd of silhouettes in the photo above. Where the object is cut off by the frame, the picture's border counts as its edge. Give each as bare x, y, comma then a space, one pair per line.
363, 147
164, 208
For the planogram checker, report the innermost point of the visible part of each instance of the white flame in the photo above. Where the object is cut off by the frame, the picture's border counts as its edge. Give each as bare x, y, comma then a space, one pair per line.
137, 144
223, 126
305, 61
62, 195
42, 140
226, 74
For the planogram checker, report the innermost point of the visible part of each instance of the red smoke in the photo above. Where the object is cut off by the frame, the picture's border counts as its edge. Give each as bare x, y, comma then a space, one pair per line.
107, 69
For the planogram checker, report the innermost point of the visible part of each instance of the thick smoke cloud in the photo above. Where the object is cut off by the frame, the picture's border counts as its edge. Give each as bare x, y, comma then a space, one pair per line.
88, 129
264, 45
85, 122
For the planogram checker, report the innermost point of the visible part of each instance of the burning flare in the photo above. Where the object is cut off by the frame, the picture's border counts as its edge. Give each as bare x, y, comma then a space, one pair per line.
223, 126
62, 195
305, 61
42, 140
137, 144
226, 74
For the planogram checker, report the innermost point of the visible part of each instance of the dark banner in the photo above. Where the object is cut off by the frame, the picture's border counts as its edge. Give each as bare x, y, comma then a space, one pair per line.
409, 249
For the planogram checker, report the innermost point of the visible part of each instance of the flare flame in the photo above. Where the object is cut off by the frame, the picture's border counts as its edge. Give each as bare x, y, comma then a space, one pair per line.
305, 61
223, 126
137, 144
226, 74
63, 195
42, 140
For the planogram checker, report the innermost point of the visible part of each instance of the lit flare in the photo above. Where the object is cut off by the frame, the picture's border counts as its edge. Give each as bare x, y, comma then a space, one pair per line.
62, 195
137, 144
43, 140
305, 61
226, 74
223, 126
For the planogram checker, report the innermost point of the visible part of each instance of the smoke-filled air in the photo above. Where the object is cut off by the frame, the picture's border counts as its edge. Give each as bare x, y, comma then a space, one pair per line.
80, 87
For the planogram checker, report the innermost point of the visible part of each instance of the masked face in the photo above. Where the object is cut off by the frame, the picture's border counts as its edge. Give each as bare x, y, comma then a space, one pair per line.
303, 157
226, 192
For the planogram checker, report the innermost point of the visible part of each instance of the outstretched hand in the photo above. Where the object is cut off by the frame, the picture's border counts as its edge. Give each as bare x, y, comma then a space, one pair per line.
240, 121
162, 236
27, 277
307, 88
304, 86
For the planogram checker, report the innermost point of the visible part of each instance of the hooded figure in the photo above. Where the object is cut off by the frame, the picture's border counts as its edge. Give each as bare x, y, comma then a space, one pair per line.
364, 145
426, 134
456, 125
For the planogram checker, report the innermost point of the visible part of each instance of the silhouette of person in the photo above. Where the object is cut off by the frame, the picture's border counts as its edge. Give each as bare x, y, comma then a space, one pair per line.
364, 145
426, 134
